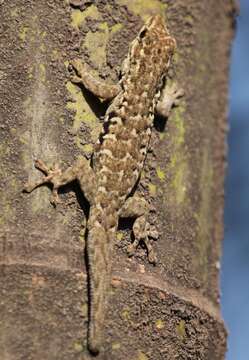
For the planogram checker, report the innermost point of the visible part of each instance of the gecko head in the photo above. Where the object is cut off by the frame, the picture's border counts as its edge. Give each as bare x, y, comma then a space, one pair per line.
155, 21
155, 30
154, 24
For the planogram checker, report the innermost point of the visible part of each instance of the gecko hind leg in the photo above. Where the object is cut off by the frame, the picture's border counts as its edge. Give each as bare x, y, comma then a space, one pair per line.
80, 170
50, 174
142, 229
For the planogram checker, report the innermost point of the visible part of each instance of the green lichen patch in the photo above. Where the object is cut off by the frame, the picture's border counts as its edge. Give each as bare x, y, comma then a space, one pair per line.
126, 314
161, 136
178, 181
115, 28
4, 150
84, 310
78, 17
87, 148
160, 173
119, 236
179, 124
141, 356
30, 31
116, 346
82, 114
96, 42
178, 165
204, 216
144, 8
23, 33
180, 329
78, 347
160, 324
38, 71
14, 12
42, 72
7, 210
152, 189
82, 236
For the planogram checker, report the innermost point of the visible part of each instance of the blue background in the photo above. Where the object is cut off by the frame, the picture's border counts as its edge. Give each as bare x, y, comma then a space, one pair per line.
235, 261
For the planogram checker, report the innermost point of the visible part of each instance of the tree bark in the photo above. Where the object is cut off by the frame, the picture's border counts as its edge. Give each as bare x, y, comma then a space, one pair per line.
170, 311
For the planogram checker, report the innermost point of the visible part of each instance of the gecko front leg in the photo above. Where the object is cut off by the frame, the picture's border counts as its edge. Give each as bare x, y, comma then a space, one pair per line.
138, 208
99, 88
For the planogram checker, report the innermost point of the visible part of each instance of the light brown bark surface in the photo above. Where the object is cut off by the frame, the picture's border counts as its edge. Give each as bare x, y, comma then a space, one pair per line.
170, 311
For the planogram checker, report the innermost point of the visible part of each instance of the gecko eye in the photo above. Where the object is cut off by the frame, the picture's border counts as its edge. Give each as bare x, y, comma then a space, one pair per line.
142, 33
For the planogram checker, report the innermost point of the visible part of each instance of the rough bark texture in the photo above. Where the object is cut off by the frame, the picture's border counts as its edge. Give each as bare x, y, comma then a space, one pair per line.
170, 311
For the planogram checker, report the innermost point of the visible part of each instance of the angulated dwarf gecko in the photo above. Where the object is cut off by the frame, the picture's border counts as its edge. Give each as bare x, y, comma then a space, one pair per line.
110, 177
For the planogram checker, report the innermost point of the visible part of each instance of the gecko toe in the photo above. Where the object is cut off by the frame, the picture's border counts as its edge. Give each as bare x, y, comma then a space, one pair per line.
28, 188
131, 249
152, 258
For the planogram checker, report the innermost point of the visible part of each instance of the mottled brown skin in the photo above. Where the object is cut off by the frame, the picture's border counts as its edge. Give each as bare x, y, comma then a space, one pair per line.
118, 159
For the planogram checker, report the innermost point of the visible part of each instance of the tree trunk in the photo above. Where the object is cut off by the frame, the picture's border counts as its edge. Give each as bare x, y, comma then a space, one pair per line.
167, 311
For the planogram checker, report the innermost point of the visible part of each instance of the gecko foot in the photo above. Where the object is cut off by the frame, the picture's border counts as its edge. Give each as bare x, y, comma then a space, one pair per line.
143, 231
75, 68
170, 97
51, 175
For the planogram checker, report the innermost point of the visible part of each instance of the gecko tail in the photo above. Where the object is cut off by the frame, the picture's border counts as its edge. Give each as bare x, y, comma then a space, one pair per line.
98, 282
94, 342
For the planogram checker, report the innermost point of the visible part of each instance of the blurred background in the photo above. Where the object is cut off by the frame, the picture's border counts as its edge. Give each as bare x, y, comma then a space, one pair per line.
235, 261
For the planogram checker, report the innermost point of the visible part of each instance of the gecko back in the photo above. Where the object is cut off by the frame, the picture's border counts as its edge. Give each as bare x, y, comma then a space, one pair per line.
119, 157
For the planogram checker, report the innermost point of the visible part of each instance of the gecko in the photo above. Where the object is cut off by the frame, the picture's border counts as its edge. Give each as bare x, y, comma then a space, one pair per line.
109, 179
